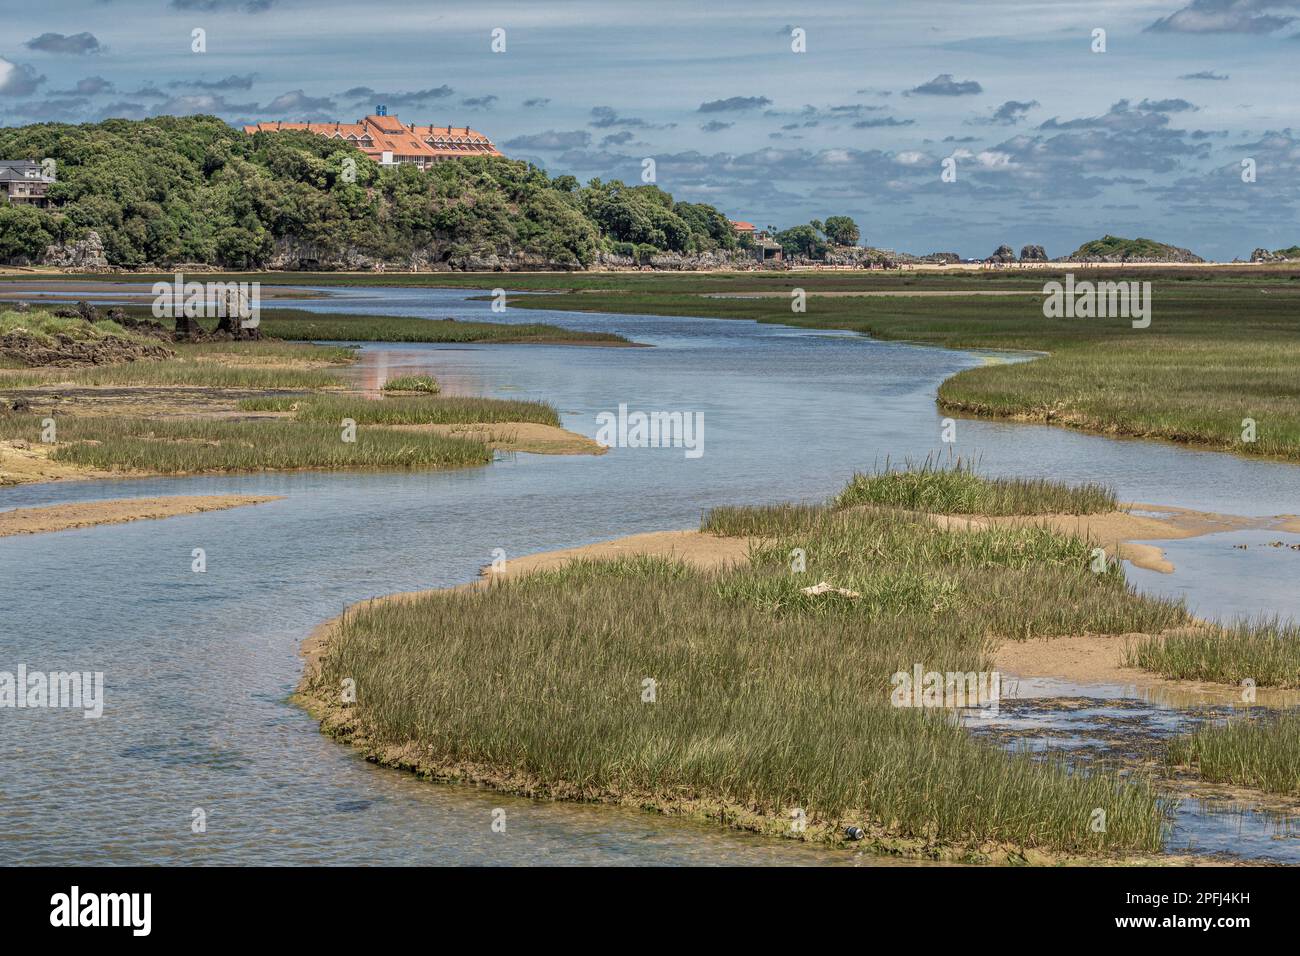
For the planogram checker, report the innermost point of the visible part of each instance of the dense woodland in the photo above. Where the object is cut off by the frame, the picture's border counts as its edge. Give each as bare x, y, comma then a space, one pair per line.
170, 190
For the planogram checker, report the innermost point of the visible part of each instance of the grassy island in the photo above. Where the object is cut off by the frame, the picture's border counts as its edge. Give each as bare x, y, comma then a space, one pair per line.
742, 694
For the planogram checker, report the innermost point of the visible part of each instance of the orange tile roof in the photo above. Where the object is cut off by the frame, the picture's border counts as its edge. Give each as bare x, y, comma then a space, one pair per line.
740, 226
375, 135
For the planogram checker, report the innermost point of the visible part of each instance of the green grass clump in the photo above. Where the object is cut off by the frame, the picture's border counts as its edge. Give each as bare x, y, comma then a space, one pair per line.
192, 446
930, 487
957, 489
43, 326
1264, 650
1008, 583
767, 699
271, 403
267, 351
1263, 752
406, 410
739, 521
413, 383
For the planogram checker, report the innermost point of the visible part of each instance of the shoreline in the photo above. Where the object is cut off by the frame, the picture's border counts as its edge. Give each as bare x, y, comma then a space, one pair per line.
46, 519
1058, 657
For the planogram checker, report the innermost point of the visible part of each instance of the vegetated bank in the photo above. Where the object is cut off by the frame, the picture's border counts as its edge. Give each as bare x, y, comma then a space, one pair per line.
160, 406
741, 694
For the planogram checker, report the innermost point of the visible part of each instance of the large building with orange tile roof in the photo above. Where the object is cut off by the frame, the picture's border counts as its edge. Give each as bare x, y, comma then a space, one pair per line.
390, 142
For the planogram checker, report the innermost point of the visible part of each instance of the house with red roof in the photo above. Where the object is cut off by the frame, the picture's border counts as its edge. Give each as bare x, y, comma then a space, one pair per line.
390, 142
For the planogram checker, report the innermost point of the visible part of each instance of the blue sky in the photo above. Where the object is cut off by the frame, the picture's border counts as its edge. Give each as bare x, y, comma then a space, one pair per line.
1054, 144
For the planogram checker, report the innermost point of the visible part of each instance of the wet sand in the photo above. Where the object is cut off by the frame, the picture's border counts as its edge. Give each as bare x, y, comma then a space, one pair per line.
91, 513
1120, 533
531, 437
23, 462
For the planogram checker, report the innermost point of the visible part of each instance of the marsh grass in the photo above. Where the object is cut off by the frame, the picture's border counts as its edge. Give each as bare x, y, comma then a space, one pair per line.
1265, 650
931, 487
766, 699
955, 489
405, 410
198, 445
43, 326
184, 371
268, 351
413, 383
1004, 583
1261, 752
303, 325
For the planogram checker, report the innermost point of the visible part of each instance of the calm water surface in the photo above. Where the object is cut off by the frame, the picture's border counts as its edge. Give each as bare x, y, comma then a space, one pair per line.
198, 666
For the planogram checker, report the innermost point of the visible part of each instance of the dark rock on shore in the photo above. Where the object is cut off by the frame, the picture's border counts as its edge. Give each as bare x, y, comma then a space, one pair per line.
63, 351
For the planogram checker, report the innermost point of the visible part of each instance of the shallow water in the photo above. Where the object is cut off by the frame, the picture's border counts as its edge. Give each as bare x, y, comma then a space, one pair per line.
198, 666
1122, 726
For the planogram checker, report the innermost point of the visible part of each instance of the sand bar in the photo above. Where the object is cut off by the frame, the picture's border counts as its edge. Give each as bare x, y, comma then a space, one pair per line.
88, 514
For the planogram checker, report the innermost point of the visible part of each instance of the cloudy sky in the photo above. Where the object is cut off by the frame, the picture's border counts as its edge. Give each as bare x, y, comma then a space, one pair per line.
1052, 143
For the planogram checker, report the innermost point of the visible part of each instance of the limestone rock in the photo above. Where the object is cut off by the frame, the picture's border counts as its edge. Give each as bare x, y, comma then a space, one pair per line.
84, 255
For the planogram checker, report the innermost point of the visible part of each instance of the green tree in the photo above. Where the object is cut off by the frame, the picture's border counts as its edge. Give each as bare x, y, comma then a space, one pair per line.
802, 241
841, 230
23, 233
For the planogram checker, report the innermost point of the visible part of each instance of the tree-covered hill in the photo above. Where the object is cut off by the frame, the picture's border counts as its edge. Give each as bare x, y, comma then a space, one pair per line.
174, 190
1114, 249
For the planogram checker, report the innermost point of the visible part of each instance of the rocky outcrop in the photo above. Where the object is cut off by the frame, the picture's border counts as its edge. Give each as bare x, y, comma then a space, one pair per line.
493, 262
1033, 254
63, 351
298, 255
84, 255
1280, 255
1002, 253
91, 314
680, 262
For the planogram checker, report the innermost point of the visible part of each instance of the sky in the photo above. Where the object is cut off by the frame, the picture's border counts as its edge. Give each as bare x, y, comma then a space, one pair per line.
1179, 123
